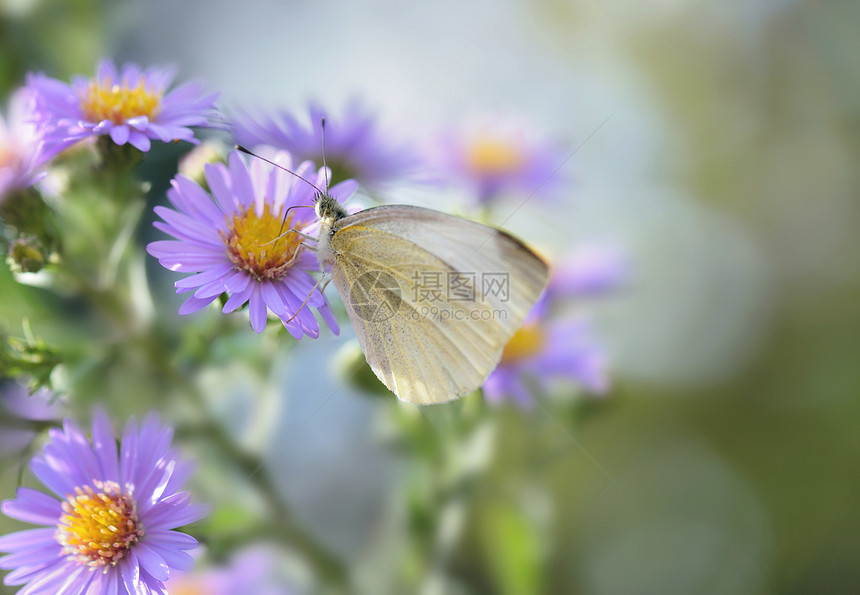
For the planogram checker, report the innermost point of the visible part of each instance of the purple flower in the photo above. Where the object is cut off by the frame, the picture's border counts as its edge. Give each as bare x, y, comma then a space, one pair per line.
355, 147
21, 148
252, 570
42, 405
109, 526
496, 157
18, 406
590, 270
544, 352
131, 105
233, 243
550, 347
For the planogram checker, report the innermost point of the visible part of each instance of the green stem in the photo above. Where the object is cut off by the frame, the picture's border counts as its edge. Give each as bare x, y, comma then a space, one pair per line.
284, 529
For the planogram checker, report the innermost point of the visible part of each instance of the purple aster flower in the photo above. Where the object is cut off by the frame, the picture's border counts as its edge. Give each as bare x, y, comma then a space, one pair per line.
132, 105
496, 157
547, 347
355, 146
544, 352
233, 243
109, 526
252, 570
21, 148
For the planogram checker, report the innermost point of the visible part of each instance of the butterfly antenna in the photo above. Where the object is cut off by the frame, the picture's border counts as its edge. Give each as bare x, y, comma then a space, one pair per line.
325, 168
284, 220
279, 166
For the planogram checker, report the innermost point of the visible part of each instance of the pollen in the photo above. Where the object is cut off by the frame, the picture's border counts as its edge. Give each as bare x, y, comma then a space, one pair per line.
526, 343
492, 156
119, 102
99, 526
258, 244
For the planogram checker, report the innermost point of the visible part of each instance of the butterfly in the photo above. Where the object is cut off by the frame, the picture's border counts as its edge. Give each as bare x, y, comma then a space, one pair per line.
433, 298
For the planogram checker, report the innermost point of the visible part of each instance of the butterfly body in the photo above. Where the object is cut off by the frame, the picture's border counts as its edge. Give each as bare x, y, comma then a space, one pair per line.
329, 211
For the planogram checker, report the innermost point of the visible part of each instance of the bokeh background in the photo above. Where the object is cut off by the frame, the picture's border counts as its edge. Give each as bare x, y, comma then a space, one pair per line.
716, 147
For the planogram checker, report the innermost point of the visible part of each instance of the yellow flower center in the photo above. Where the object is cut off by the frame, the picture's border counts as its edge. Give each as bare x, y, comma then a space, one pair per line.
99, 525
492, 156
118, 103
526, 342
254, 246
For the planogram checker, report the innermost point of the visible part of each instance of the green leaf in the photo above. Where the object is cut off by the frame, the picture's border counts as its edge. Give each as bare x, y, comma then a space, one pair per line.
514, 551
29, 357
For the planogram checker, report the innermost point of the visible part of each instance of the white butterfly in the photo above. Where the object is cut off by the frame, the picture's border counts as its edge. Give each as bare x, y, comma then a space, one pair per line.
428, 344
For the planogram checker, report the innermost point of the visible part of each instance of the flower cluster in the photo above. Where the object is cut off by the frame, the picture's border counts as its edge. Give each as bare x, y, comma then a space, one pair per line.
244, 241
236, 230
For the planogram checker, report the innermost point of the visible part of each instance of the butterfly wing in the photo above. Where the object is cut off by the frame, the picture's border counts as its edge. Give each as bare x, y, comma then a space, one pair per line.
433, 298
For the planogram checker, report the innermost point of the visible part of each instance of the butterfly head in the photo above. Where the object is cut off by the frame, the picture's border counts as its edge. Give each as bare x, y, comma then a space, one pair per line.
328, 208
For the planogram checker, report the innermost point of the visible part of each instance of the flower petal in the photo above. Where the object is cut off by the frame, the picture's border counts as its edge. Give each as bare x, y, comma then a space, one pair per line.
151, 561
257, 310
139, 141
32, 506
119, 134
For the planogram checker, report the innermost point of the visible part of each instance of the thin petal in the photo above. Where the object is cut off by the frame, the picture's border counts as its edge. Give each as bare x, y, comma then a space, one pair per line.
257, 310
344, 190
139, 123
151, 561
238, 299
272, 298
218, 178
194, 304
56, 482
243, 188
130, 571
27, 539
40, 508
104, 444
128, 452
139, 141
171, 539
119, 134
175, 558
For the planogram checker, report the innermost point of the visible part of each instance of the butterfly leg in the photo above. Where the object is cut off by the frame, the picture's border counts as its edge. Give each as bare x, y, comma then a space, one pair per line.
304, 235
317, 284
296, 254
280, 235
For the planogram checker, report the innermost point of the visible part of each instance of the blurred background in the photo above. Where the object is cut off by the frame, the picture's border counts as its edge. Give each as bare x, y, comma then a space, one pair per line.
714, 144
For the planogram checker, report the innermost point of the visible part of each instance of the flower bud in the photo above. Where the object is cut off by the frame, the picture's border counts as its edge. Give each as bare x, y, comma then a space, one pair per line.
193, 164
26, 255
